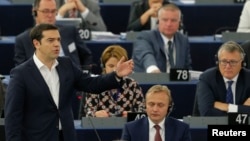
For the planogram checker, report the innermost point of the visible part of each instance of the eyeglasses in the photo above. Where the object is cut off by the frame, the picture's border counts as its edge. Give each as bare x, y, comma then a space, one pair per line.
231, 62
47, 11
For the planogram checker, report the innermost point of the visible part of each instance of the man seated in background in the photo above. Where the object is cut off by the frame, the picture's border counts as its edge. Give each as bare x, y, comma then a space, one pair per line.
225, 88
87, 10
119, 101
158, 126
44, 11
143, 14
159, 50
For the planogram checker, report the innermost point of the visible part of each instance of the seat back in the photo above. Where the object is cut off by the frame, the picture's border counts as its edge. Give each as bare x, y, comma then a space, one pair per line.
246, 47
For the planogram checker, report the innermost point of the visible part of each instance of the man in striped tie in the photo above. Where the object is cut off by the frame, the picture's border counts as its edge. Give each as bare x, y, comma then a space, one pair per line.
225, 88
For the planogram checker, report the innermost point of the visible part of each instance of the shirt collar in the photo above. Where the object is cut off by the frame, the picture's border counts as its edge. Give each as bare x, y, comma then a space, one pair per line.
165, 39
234, 79
161, 124
39, 64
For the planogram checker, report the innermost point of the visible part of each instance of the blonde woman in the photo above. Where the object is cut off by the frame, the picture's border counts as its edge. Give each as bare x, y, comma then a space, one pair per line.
115, 102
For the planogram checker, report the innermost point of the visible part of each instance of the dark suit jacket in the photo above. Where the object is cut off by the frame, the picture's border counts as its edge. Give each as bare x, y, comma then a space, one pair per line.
211, 88
32, 115
137, 9
149, 50
24, 48
138, 130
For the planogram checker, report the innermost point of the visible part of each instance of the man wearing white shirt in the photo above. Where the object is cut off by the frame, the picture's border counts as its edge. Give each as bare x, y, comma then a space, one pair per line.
212, 88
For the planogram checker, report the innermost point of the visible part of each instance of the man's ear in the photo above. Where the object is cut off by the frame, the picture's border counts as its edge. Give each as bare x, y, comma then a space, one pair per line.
36, 43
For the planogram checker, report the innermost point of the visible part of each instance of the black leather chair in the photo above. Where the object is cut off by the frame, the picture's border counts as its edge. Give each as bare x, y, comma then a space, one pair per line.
246, 47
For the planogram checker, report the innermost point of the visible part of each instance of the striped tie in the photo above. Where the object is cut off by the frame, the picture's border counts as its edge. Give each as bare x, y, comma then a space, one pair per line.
229, 98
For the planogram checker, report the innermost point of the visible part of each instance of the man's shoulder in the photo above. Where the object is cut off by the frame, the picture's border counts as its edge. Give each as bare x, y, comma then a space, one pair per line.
138, 122
176, 122
67, 30
149, 33
181, 36
246, 72
210, 73
63, 59
65, 27
24, 34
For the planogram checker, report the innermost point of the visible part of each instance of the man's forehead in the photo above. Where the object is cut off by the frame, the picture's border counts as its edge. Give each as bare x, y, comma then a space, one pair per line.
51, 34
155, 1
49, 4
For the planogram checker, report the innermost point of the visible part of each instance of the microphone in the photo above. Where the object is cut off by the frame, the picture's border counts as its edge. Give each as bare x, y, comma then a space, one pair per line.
93, 126
223, 28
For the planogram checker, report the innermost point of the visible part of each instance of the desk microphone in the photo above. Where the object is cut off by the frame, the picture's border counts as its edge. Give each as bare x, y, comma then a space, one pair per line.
223, 28
93, 126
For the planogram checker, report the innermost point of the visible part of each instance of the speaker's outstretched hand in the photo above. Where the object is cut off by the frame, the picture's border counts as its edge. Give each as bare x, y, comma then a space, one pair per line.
124, 68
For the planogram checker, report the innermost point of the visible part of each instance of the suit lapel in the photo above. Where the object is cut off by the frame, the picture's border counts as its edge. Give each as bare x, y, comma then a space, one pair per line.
145, 130
177, 47
160, 42
239, 88
61, 81
221, 84
39, 80
64, 40
169, 132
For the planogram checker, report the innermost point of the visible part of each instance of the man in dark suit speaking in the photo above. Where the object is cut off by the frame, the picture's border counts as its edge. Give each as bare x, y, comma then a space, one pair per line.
159, 50
45, 11
38, 98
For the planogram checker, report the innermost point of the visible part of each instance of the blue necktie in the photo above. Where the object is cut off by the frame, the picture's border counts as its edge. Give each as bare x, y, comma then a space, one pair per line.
229, 98
170, 54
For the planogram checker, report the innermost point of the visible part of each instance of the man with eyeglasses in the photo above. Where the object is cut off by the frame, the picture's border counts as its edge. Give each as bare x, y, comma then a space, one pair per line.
45, 11
225, 88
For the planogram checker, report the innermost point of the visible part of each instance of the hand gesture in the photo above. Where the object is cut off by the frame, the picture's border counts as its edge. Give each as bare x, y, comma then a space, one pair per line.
124, 68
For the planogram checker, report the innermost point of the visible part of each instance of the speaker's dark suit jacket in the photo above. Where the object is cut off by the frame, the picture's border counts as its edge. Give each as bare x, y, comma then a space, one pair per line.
149, 49
211, 88
138, 130
31, 113
80, 55
137, 9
